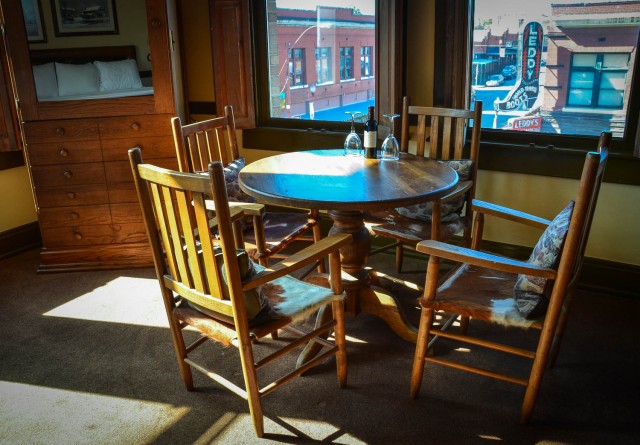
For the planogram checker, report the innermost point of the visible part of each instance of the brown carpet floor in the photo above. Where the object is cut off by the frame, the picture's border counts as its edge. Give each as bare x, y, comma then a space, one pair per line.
86, 358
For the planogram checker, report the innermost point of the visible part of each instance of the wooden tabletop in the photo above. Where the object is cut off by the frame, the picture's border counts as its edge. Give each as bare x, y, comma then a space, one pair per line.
328, 180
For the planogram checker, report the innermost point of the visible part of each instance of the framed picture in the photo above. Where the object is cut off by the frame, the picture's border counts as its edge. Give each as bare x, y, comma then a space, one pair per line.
33, 21
84, 17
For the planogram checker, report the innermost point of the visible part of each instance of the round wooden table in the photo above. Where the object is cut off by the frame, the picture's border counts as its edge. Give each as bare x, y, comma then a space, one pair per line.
346, 187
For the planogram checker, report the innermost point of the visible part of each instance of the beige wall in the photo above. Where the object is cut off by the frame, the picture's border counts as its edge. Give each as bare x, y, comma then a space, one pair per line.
613, 233
16, 200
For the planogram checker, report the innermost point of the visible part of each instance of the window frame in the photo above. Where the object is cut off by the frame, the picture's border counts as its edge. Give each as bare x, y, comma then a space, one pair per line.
324, 54
296, 134
525, 152
365, 61
597, 80
346, 63
297, 56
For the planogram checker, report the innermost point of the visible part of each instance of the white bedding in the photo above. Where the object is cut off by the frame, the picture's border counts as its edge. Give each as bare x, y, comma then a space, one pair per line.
57, 81
144, 91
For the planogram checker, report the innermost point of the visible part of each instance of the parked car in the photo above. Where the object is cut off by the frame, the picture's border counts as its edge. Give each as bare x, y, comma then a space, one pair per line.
509, 72
495, 80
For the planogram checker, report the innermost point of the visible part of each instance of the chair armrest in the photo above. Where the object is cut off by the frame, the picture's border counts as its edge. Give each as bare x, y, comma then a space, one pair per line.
302, 258
509, 214
250, 209
483, 259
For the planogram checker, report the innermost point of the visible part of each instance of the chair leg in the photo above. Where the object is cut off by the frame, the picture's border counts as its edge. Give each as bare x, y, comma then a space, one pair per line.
559, 334
181, 354
399, 257
339, 334
464, 324
317, 236
426, 319
251, 382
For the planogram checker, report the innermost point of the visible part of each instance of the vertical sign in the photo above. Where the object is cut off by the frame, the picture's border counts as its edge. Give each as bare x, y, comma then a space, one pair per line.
525, 92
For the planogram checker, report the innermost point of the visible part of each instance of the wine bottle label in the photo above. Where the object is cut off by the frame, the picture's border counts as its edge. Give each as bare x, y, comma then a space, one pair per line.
370, 138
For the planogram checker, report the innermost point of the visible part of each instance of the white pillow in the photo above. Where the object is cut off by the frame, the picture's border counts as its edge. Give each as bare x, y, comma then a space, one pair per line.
76, 79
118, 75
45, 79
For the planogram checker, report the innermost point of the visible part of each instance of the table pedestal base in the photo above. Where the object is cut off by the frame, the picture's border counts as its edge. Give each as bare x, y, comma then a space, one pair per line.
366, 290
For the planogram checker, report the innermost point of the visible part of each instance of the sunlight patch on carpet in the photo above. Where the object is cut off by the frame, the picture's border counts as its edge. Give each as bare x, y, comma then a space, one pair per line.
123, 300
35, 414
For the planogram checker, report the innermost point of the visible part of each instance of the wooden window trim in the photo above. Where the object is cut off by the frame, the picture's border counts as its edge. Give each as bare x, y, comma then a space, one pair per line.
291, 136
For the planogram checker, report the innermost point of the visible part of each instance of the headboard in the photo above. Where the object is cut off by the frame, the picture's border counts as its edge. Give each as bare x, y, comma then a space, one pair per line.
82, 55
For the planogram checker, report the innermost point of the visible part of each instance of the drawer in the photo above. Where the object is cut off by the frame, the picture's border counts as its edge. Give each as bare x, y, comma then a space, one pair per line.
63, 130
68, 174
74, 215
80, 235
152, 147
135, 126
120, 171
72, 196
130, 233
126, 212
64, 152
122, 192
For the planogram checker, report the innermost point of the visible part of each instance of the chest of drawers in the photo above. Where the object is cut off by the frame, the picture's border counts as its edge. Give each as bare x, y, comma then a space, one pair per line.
87, 206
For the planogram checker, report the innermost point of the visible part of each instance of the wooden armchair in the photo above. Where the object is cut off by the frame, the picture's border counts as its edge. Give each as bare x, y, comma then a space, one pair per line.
209, 284
533, 294
215, 139
439, 220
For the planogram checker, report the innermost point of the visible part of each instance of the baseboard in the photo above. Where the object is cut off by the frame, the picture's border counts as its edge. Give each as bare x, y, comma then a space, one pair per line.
19, 239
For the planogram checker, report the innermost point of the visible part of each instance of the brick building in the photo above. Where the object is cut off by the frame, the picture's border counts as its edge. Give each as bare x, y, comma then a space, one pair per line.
321, 59
590, 62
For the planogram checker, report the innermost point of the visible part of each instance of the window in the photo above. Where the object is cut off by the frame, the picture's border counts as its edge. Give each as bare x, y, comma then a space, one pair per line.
323, 65
598, 80
346, 63
297, 70
324, 28
366, 58
574, 64
297, 29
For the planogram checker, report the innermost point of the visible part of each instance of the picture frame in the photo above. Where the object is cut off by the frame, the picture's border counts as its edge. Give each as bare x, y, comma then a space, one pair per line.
33, 23
84, 17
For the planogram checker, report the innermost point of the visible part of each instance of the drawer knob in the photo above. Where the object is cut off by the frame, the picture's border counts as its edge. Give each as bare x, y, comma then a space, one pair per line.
155, 23
77, 235
71, 195
135, 126
68, 174
74, 215
64, 152
60, 131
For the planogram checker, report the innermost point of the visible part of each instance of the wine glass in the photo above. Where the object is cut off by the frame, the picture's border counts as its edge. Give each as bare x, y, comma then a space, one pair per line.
353, 144
390, 150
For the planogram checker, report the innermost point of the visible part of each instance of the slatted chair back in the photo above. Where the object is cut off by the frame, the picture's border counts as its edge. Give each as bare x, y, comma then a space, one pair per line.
182, 239
200, 143
441, 133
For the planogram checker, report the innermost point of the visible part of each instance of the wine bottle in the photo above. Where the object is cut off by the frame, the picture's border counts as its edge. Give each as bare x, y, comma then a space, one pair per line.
370, 135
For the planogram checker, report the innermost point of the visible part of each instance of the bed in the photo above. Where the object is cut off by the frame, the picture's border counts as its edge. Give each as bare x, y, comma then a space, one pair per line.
88, 73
